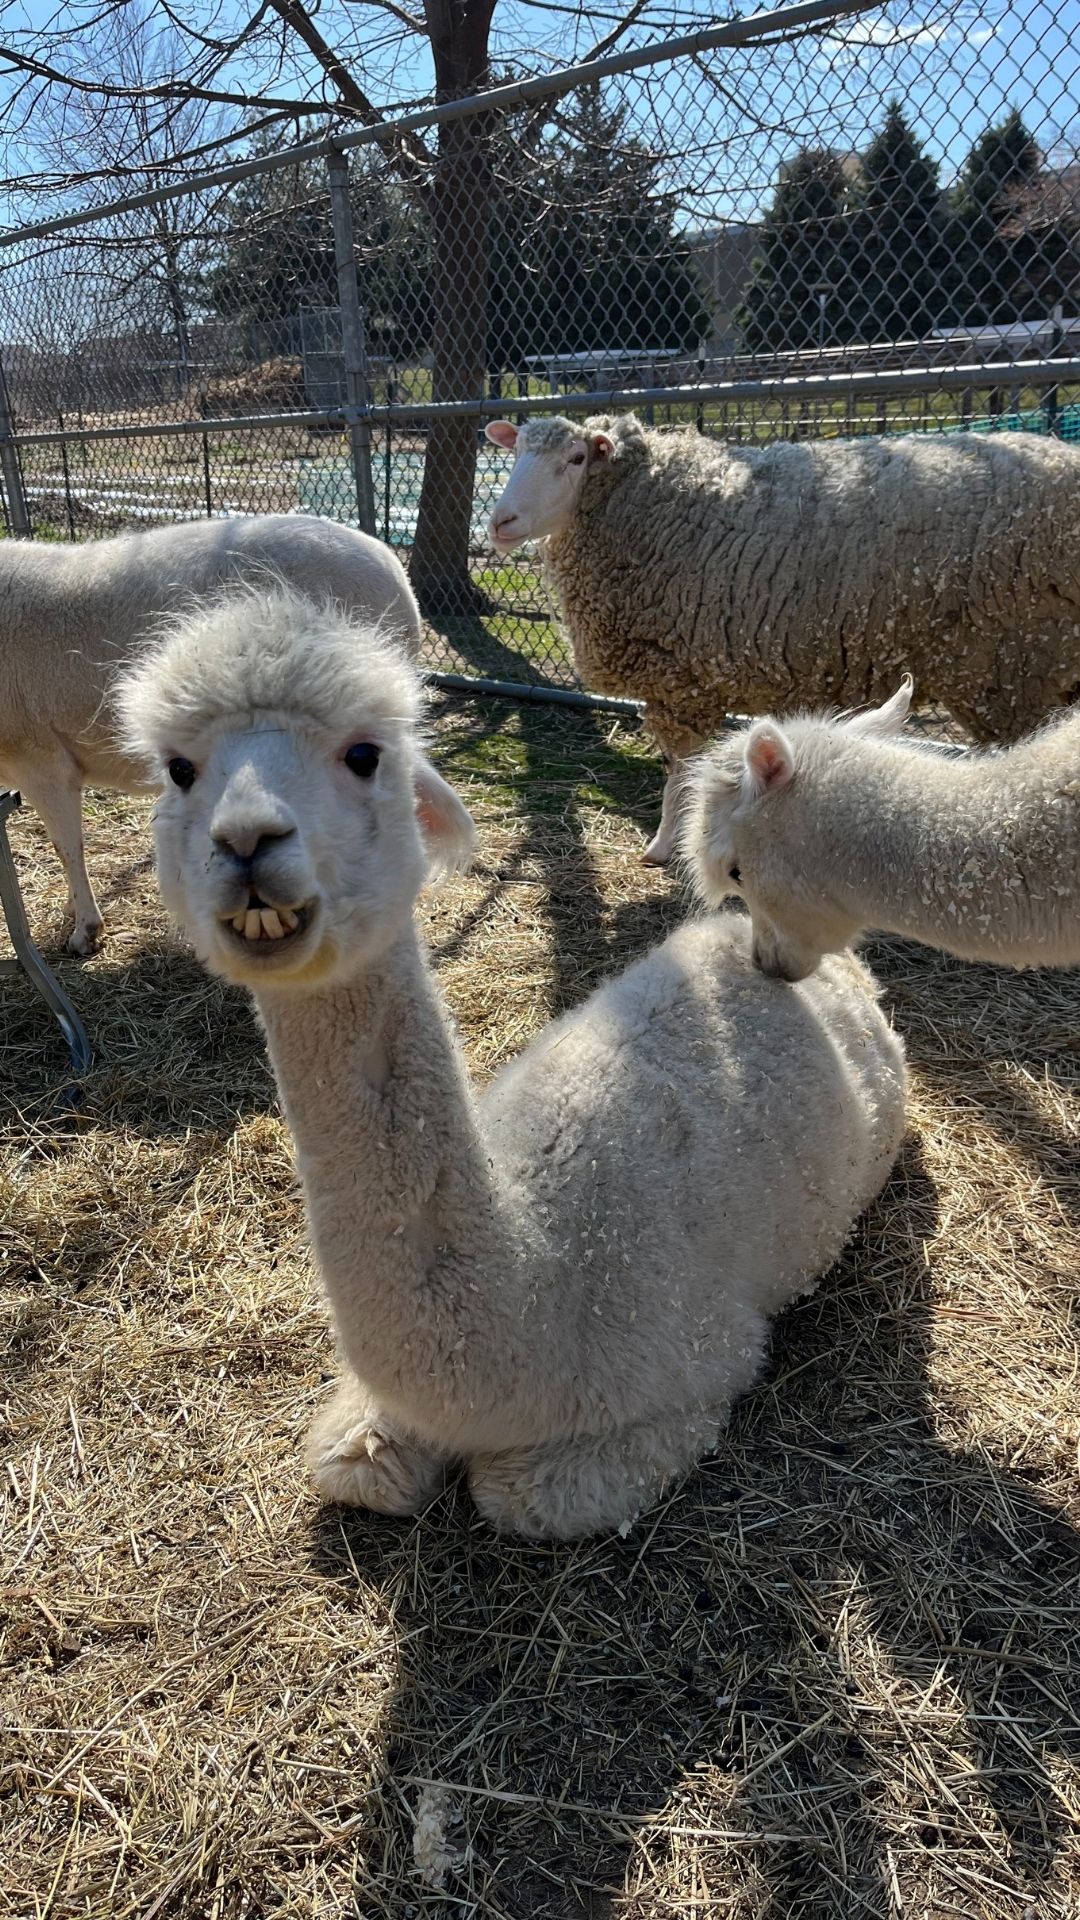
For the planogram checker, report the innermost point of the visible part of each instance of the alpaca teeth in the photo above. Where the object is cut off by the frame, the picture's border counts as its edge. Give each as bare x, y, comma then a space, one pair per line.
252, 923
289, 919
238, 923
272, 926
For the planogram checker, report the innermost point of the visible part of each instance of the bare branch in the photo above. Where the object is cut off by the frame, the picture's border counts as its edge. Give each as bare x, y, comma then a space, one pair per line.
609, 40
411, 155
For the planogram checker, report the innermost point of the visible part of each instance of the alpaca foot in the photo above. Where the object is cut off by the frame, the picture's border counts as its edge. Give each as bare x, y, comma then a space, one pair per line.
597, 1484
359, 1461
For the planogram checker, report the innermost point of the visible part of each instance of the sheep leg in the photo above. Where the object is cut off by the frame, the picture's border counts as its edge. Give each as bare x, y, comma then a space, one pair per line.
662, 845
52, 784
597, 1484
357, 1458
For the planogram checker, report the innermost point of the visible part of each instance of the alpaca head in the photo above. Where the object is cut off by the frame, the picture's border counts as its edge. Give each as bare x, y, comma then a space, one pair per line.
298, 815
749, 828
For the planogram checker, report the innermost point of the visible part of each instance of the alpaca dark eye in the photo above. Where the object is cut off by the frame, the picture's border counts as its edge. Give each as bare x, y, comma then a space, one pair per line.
734, 873
362, 759
182, 774
576, 459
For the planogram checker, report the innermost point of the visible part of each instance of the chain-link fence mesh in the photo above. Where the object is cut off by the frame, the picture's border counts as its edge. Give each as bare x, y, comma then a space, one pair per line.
873, 227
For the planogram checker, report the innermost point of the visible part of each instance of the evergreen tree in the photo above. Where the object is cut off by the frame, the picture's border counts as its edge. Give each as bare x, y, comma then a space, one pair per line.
898, 256
798, 293
278, 258
990, 283
583, 247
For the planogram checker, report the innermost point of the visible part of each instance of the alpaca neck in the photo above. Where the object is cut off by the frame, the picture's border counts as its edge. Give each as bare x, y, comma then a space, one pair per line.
397, 1178
931, 849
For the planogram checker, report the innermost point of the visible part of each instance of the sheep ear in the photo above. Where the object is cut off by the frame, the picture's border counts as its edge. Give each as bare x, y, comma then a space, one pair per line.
502, 433
768, 758
447, 825
882, 722
601, 446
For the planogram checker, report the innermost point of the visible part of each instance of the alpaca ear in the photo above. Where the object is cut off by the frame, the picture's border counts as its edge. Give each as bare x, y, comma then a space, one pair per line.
447, 825
768, 758
501, 433
600, 446
881, 723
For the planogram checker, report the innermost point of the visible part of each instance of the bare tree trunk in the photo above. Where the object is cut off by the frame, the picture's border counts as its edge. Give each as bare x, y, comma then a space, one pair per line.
459, 210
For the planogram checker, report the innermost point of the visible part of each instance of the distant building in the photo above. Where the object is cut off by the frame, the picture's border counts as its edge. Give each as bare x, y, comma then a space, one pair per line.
724, 259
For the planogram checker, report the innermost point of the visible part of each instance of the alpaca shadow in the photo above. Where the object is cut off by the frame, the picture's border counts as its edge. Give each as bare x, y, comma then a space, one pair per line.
831, 1611
565, 755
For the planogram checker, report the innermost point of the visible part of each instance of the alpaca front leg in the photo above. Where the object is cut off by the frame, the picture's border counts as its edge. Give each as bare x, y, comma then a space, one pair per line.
358, 1459
598, 1484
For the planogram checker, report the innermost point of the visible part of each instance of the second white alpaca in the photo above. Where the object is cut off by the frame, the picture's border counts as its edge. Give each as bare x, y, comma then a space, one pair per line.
565, 1285
830, 826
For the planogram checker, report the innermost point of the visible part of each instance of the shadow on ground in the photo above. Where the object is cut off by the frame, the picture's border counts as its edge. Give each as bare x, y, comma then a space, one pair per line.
838, 1634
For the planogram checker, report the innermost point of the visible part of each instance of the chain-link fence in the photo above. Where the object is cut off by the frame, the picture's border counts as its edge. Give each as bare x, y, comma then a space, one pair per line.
795, 224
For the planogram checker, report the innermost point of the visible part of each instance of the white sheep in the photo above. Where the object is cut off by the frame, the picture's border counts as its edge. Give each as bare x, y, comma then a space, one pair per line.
829, 826
565, 1284
72, 617
707, 579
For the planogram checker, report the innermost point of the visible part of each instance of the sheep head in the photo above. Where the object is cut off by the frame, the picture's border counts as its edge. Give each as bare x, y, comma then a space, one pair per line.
295, 802
750, 829
551, 461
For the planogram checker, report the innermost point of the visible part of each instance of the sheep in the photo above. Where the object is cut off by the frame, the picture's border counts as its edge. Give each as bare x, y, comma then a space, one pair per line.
829, 826
72, 617
562, 1285
707, 579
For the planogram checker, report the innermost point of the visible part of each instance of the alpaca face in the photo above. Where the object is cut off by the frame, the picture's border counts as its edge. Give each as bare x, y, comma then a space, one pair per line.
753, 827
737, 838
291, 852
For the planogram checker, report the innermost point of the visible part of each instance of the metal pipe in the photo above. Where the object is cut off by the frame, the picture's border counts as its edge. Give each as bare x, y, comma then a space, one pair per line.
733, 33
353, 340
521, 690
18, 516
823, 387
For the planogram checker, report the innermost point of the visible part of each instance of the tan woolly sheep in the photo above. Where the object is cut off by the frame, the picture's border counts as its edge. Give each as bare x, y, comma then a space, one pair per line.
707, 579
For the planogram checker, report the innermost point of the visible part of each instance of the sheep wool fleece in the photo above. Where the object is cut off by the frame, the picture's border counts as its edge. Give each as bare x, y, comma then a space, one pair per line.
705, 578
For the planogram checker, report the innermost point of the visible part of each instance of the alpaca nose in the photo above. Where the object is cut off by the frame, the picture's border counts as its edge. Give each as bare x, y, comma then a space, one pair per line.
501, 523
245, 840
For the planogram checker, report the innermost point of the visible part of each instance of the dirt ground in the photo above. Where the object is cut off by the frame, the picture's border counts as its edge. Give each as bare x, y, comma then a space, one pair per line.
837, 1674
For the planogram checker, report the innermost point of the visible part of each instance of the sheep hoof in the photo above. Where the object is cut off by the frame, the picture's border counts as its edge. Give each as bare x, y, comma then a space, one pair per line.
362, 1464
86, 939
653, 857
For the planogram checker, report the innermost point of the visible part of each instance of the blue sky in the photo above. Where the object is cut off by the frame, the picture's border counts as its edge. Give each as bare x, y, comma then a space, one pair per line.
956, 65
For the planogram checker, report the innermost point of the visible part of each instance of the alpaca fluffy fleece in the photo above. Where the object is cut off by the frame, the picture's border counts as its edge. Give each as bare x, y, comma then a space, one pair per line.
73, 618
832, 827
707, 579
563, 1285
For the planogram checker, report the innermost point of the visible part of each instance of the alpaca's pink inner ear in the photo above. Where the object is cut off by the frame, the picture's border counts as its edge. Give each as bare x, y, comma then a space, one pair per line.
768, 759
502, 433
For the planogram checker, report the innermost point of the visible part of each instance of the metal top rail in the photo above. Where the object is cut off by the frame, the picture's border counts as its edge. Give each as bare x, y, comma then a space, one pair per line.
732, 33
810, 387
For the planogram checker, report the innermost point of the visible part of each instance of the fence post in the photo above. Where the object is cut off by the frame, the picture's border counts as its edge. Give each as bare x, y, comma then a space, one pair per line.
353, 341
18, 517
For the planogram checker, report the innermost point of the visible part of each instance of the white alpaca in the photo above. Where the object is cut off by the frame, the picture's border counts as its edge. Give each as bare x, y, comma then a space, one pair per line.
563, 1285
72, 618
829, 826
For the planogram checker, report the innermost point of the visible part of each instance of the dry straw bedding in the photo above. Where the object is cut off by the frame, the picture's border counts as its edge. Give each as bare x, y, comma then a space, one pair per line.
836, 1675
